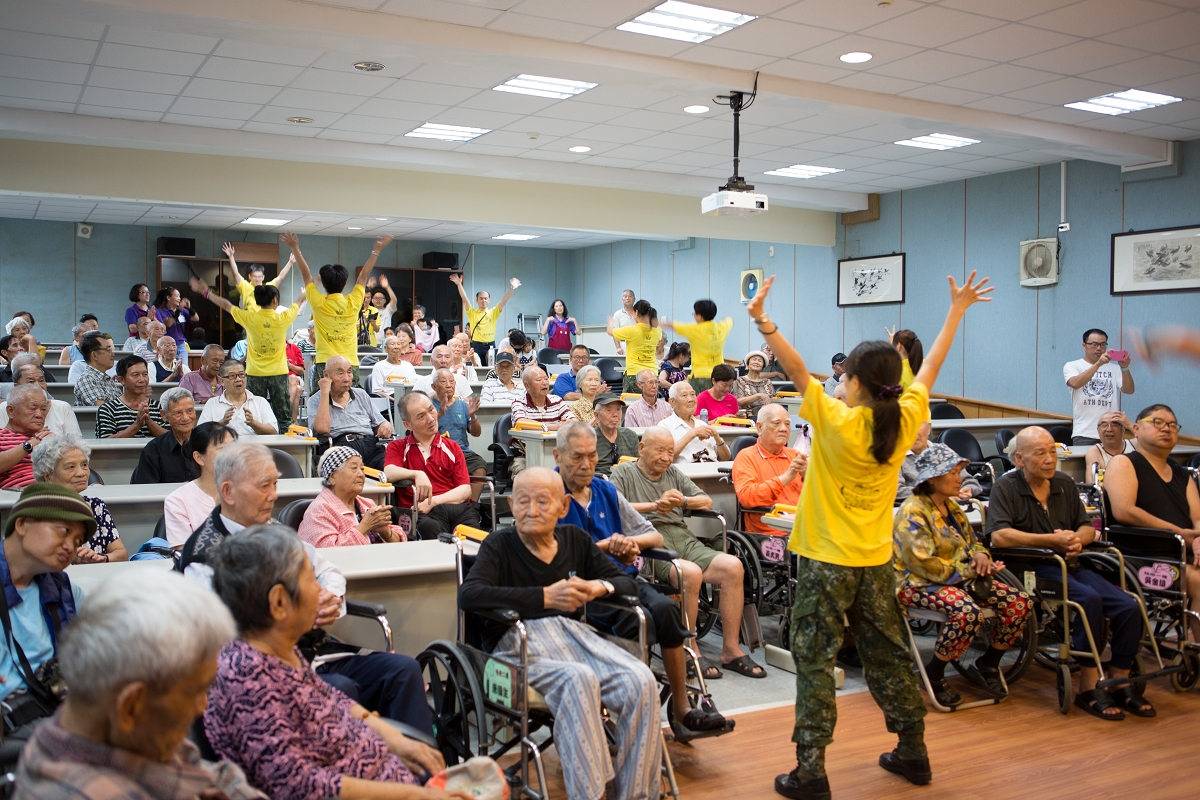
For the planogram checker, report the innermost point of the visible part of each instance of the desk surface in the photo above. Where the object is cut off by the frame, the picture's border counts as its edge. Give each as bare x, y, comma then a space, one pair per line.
397, 559
116, 495
1081, 451
273, 440
724, 430
997, 422
89, 576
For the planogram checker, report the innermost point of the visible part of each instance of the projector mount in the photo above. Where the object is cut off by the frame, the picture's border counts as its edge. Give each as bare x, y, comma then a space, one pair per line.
737, 102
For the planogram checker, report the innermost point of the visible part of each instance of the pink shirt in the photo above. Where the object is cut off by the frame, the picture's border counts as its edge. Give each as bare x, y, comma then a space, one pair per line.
725, 407
185, 510
328, 523
641, 415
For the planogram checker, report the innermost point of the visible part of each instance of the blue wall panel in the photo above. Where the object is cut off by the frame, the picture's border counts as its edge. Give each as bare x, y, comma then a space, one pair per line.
729, 258
28, 252
818, 320
106, 267
597, 285
626, 273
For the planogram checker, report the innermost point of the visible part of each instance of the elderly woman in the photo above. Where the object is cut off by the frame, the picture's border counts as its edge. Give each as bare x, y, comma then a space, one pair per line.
694, 441
340, 516
124, 723
718, 400
940, 566
462, 356
64, 460
394, 367
588, 382
189, 506
19, 327
752, 390
269, 713
971, 487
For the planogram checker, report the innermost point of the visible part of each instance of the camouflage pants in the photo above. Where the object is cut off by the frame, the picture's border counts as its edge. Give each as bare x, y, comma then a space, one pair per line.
866, 596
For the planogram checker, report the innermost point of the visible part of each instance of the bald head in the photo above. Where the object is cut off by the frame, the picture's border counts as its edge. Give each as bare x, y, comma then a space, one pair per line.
1036, 454
539, 501
774, 427
1028, 439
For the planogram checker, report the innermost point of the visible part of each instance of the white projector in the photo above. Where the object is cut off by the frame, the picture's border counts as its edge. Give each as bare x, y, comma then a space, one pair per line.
733, 204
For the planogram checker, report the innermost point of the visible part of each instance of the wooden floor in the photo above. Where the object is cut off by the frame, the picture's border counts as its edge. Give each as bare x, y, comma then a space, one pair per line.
1022, 748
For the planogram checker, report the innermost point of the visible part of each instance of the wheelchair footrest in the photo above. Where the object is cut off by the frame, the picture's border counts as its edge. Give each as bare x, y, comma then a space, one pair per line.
692, 735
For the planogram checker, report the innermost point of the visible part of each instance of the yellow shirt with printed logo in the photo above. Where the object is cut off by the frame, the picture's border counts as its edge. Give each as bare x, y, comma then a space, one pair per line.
483, 323
336, 322
246, 289
266, 338
845, 511
708, 343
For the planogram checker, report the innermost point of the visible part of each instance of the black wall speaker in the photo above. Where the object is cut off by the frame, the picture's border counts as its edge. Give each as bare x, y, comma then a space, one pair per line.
440, 261
169, 246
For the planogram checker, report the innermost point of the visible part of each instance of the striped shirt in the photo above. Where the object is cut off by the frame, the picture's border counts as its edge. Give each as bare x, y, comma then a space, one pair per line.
114, 417
554, 411
92, 386
20, 474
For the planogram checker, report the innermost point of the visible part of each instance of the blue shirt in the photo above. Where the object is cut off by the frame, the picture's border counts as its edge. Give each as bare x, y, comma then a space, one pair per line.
73, 352
454, 422
564, 383
31, 630
601, 519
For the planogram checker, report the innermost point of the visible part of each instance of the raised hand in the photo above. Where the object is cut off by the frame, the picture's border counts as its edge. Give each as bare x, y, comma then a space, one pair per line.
456, 277
198, 286
383, 241
383, 282
891, 332
755, 307
227, 249
970, 292
290, 239
513, 282
473, 404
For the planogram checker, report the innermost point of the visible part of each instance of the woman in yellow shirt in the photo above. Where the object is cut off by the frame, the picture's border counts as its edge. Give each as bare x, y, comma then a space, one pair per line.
912, 353
707, 339
843, 537
642, 339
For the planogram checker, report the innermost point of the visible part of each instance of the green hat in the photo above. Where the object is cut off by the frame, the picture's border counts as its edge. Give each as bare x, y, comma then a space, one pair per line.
51, 501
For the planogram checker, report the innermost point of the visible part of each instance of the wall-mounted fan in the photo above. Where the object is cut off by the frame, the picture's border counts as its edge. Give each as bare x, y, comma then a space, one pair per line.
1039, 262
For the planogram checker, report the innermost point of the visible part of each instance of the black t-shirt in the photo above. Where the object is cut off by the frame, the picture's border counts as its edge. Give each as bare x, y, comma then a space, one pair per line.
1012, 505
1166, 500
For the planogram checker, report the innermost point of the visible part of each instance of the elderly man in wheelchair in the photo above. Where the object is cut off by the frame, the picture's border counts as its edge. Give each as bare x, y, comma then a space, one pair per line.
1035, 506
547, 573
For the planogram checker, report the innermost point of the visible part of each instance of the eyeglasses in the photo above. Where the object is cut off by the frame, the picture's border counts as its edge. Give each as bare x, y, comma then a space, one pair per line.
1097, 344
1162, 424
233, 376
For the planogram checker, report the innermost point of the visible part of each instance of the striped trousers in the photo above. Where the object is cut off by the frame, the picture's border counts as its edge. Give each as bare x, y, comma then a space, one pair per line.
577, 670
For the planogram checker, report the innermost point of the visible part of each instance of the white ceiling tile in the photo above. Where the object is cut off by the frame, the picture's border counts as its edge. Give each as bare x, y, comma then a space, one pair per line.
476, 118
780, 137
310, 100
835, 16
343, 82
1191, 52
944, 158
1159, 35
136, 80
518, 139
543, 27
508, 102
1125, 123
38, 69
603, 15
394, 64
944, 94
148, 59
638, 43
773, 37
484, 147
1056, 113
477, 75
654, 120
626, 95
932, 26
222, 109
877, 83
605, 161
1065, 90
613, 134
714, 55
230, 69
421, 92
1144, 71
1010, 42
119, 113
230, 90
1074, 59
66, 106
582, 112
548, 126
379, 126
117, 98
932, 66
802, 71
1098, 17
682, 142
717, 128
1009, 9
882, 50
274, 114
354, 136
161, 40
285, 129
458, 13
832, 123
1170, 114
1002, 79
35, 20
639, 152
394, 109
1187, 87
53, 48
204, 122
273, 54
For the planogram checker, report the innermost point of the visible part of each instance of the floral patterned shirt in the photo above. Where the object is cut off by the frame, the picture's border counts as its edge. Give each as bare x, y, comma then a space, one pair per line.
929, 549
106, 529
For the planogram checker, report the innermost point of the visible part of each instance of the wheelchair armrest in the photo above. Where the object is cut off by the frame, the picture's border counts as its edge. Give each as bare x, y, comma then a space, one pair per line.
411, 732
1030, 552
659, 554
357, 608
757, 509
504, 616
725, 470
499, 448
618, 601
701, 512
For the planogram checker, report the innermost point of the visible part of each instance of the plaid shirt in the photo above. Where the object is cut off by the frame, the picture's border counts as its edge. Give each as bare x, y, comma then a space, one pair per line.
57, 765
92, 386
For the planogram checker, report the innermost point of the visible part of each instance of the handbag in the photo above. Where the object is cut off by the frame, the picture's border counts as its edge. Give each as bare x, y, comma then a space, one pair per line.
44, 687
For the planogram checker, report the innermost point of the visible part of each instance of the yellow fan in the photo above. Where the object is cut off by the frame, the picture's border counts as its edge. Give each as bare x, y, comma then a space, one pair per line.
626, 459
527, 425
629, 397
733, 422
467, 532
789, 394
780, 510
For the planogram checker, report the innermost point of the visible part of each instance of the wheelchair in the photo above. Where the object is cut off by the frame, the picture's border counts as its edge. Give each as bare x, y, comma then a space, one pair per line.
483, 705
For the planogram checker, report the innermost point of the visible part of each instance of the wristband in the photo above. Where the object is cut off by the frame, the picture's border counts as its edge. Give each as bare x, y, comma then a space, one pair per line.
206, 293
1124, 369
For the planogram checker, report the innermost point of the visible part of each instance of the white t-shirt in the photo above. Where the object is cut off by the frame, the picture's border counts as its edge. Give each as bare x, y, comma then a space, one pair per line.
623, 319
215, 409
1094, 399
384, 370
697, 449
462, 387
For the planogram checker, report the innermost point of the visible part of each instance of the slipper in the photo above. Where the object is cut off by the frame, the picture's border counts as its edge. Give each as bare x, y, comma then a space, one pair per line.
1132, 701
743, 665
987, 679
711, 671
1095, 702
700, 720
944, 694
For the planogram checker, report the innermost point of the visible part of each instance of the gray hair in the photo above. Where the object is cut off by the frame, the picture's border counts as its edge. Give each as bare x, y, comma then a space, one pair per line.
645, 372
437, 373
51, 450
584, 372
211, 348
676, 388
238, 462
173, 396
247, 566
25, 391
767, 409
150, 626
573, 430
21, 360
77, 329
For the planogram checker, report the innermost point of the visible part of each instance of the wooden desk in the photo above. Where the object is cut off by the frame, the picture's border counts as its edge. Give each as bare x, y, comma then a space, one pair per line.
1072, 462
984, 428
66, 391
539, 446
115, 459
417, 583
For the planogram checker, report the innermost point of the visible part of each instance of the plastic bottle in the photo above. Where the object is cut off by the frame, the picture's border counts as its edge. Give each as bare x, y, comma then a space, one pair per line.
704, 416
491, 356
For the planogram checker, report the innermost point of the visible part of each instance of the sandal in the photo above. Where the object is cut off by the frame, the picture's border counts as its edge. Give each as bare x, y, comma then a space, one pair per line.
944, 694
711, 671
1096, 702
743, 665
986, 678
1132, 701
700, 720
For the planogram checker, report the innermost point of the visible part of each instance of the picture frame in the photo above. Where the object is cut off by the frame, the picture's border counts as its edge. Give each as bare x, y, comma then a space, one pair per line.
1154, 261
875, 280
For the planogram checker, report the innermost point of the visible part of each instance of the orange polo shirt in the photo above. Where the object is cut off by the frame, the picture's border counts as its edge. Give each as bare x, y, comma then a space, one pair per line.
756, 481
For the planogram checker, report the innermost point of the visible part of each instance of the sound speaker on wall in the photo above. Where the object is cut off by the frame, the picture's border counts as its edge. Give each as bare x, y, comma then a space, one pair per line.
83, 230
439, 260
170, 246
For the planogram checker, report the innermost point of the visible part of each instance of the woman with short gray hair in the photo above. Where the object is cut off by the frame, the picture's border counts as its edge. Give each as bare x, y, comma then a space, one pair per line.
295, 735
64, 460
137, 661
589, 384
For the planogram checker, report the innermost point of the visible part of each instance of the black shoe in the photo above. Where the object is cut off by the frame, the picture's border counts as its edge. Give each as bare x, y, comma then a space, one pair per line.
799, 785
916, 770
988, 679
944, 694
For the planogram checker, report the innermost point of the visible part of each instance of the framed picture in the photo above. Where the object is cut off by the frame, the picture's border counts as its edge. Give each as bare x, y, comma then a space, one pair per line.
871, 281
1163, 260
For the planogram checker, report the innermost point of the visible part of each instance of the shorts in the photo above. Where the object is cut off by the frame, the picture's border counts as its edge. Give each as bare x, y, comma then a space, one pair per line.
689, 548
474, 462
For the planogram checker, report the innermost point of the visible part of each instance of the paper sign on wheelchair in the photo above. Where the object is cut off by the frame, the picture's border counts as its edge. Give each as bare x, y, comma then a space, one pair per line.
1159, 577
773, 549
498, 683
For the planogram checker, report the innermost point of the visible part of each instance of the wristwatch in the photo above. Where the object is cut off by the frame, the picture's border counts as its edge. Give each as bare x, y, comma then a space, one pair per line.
608, 586
27, 447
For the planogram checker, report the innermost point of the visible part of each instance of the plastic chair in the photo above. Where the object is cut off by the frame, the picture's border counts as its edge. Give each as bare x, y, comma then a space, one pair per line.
547, 355
1003, 437
365, 380
94, 478
739, 444
945, 411
502, 453
611, 371
293, 513
286, 463
1061, 434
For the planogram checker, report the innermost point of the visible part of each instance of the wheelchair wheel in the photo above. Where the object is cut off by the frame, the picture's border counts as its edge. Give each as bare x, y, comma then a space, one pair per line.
745, 551
1186, 680
1065, 695
708, 612
455, 701
1016, 658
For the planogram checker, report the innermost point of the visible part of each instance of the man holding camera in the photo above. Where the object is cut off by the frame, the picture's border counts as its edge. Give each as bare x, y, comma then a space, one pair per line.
1097, 382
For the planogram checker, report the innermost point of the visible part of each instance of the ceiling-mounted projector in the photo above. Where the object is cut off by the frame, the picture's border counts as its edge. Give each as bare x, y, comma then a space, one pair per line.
736, 198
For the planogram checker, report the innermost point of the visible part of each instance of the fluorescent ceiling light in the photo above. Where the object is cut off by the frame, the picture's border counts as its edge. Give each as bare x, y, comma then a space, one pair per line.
447, 133
273, 223
352, 228
696, 109
580, 148
516, 237
538, 86
937, 141
381, 219
685, 22
803, 171
1124, 102
857, 57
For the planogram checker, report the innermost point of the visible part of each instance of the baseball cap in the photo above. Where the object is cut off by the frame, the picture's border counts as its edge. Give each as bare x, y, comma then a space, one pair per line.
839, 358
604, 398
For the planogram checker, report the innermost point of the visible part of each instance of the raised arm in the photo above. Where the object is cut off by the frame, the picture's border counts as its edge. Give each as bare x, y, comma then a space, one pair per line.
293, 243
457, 279
380, 243
785, 354
514, 283
200, 288
286, 269
383, 284
961, 298
228, 250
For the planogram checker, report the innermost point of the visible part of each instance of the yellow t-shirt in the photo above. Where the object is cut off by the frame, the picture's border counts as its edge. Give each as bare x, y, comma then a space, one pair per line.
336, 318
370, 312
845, 511
266, 338
483, 323
639, 355
906, 374
708, 344
246, 290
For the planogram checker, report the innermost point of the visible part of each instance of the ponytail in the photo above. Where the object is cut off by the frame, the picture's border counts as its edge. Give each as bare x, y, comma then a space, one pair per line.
877, 367
912, 346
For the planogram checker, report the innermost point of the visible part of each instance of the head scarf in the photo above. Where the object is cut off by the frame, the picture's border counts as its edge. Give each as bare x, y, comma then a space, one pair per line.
333, 460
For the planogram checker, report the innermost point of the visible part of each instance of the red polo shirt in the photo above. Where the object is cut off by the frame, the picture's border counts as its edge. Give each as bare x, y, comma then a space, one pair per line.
446, 466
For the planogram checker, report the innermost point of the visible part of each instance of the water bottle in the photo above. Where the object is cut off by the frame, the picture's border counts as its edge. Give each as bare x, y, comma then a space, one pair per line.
704, 416
491, 356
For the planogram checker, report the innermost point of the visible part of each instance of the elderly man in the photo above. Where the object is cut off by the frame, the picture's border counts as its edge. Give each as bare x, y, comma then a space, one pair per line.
139, 343
1096, 383
205, 383
457, 419
442, 357
649, 409
613, 442
838, 366
1111, 428
624, 316
235, 406
392, 368
1149, 490
133, 414
436, 466
622, 533
94, 387
501, 386
538, 406
60, 419
1036, 506
481, 318
123, 728
246, 480
770, 472
564, 384
168, 366
343, 414
694, 441
655, 487
547, 572
26, 428
167, 458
